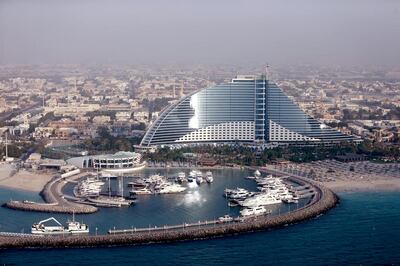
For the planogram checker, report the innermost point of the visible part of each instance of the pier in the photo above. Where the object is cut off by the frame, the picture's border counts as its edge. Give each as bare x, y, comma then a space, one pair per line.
323, 200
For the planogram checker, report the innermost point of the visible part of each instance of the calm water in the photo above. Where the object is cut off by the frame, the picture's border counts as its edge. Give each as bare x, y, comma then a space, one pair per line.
364, 228
205, 202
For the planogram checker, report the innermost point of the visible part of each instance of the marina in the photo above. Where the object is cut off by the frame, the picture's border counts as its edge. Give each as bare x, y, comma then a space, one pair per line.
196, 203
323, 201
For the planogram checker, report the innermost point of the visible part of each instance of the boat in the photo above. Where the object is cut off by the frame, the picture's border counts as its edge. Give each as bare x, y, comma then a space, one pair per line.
225, 219
192, 175
103, 201
140, 191
239, 195
209, 177
89, 187
257, 174
73, 227
261, 199
254, 211
137, 183
290, 201
199, 178
168, 188
181, 177
233, 203
229, 191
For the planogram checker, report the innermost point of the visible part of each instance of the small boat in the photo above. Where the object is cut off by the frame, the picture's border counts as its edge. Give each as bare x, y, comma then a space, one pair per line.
257, 174
225, 219
209, 177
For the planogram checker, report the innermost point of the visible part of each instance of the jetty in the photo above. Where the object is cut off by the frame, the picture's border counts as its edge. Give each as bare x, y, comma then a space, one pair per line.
54, 199
322, 200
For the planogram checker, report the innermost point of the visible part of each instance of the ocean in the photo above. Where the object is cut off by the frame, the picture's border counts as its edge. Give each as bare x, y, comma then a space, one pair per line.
362, 229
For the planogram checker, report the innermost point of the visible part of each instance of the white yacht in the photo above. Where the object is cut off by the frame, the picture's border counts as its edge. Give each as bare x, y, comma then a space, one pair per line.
168, 188
260, 200
239, 195
88, 187
225, 219
138, 183
254, 211
140, 191
192, 175
229, 191
103, 201
199, 177
181, 177
209, 177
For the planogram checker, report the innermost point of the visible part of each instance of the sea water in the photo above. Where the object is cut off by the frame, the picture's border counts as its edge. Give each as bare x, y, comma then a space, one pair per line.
362, 229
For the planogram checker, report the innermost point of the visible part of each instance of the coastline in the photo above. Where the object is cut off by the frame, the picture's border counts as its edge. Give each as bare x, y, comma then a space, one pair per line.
379, 185
26, 181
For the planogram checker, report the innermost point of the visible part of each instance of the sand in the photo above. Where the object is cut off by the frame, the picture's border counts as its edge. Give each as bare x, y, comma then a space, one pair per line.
389, 184
33, 181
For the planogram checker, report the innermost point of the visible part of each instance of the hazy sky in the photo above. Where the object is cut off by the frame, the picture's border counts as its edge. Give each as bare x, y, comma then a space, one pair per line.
281, 32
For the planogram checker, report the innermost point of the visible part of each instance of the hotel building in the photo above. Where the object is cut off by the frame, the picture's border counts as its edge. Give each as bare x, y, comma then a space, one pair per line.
247, 109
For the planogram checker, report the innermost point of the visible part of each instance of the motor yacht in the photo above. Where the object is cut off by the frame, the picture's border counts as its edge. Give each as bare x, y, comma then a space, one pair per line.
209, 177
225, 219
181, 177
254, 211
199, 177
169, 188
140, 191
261, 199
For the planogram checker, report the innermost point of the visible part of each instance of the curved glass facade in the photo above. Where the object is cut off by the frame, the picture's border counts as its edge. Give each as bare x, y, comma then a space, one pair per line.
283, 111
246, 109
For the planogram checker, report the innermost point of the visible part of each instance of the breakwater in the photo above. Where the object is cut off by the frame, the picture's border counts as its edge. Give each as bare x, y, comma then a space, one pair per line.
54, 201
323, 200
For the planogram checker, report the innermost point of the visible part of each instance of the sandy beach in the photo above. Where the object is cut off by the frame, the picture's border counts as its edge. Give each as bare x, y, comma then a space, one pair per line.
367, 185
23, 179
